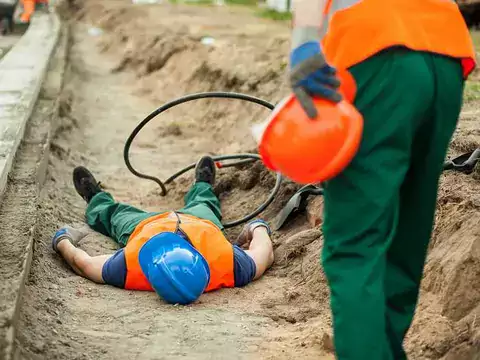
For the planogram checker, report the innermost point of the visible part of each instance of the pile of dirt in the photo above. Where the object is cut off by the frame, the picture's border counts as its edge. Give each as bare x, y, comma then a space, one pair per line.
170, 60
149, 55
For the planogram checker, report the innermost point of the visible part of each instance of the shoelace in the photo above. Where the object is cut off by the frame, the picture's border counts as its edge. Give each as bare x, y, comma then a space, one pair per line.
90, 187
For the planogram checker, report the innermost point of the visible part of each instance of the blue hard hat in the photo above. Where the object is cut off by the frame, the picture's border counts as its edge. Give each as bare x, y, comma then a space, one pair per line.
174, 268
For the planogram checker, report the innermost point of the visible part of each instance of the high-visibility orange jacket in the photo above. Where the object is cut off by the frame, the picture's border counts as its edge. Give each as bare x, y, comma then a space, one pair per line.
357, 29
205, 237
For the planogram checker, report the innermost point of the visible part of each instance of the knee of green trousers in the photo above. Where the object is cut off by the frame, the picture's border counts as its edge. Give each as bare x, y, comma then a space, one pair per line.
98, 213
202, 202
202, 212
116, 220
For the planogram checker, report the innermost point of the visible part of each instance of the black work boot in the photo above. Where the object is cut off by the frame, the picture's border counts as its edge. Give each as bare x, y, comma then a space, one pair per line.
205, 170
85, 183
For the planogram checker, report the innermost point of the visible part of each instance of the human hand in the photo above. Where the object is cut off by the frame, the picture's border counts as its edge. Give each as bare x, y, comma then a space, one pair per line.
246, 235
311, 75
73, 234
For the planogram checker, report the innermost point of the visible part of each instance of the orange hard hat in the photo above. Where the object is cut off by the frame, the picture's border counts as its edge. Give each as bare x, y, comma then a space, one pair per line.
312, 150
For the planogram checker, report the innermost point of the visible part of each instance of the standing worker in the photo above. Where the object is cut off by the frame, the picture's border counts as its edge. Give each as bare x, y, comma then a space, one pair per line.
410, 59
29, 7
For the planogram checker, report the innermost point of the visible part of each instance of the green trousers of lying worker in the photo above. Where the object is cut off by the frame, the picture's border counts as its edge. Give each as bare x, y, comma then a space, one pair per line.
118, 220
379, 212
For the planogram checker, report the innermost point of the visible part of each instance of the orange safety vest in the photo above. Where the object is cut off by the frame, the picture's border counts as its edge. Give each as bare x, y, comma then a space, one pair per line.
362, 28
205, 237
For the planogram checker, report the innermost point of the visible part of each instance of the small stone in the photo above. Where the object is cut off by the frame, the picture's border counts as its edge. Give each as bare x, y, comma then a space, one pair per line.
172, 130
292, 294
65, 343
268, 305
327, 343
315, 211
38, 347
290, 319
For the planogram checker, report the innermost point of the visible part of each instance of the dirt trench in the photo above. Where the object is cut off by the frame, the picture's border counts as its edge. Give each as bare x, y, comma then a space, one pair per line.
87, 321
142, 57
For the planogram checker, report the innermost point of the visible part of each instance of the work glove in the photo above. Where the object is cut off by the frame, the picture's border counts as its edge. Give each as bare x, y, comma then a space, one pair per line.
74, 234
246, 235
311, 75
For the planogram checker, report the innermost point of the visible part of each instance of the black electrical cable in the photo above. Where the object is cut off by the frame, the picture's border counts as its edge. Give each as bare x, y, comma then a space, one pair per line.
244, 158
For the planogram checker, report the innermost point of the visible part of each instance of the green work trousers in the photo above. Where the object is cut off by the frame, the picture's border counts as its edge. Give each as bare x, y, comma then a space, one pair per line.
379, 212
118, 220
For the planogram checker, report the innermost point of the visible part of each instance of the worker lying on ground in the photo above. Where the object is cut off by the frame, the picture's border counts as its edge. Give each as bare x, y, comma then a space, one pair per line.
410, 69
179, 254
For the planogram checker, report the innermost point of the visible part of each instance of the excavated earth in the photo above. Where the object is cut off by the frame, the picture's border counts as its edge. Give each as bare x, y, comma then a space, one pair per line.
124, 60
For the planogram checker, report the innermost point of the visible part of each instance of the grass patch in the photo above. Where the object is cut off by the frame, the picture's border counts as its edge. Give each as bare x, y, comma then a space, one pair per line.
274, 15
192, 2
472, 86
242, 2
475, 34
472, 90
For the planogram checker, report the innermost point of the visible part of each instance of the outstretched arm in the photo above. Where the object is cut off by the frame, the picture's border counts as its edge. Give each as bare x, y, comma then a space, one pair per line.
257, 235
90, 267
261, 251
64, 242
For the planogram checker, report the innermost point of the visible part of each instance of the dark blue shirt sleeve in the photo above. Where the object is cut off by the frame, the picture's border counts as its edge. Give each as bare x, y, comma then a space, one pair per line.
114, 271
244, 267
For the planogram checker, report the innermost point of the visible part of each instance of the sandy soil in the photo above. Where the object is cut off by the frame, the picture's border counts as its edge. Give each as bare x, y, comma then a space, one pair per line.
151, 54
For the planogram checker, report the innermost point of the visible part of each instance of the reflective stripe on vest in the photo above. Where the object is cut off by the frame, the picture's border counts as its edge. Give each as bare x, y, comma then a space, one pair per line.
205, 237
358, 29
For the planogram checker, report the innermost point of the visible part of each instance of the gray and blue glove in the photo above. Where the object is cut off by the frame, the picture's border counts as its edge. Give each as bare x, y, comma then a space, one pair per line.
252, 225
311, 75
246, 235
70, 233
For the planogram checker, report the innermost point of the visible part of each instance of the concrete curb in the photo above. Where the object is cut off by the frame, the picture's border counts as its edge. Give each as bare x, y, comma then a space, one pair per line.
25, 136
22, 72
